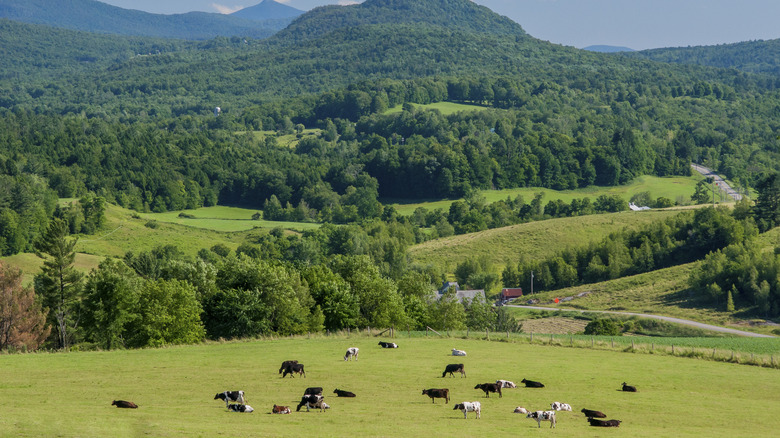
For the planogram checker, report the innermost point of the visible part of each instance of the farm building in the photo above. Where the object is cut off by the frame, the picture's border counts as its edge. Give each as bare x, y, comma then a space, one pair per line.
460, 294
510, 294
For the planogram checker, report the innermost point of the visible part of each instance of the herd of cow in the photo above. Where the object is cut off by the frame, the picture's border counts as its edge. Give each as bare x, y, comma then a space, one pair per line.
313, 398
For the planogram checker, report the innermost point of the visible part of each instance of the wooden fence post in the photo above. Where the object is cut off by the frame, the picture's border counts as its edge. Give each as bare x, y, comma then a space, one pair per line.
487, 334
591, 342
532, 337
467, 332
672, 349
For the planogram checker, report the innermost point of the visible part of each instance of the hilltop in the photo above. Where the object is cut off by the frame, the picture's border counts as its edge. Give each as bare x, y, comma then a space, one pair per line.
98, 17
267, 10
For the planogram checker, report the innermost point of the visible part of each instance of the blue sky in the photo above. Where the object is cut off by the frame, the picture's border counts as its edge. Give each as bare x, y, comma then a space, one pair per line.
638, 24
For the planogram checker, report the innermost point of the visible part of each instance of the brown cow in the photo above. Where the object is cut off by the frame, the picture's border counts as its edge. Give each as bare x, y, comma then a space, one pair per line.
124, 404
435, 393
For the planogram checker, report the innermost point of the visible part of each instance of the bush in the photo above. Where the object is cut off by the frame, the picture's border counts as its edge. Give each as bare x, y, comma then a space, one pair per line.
151, 224
604, 327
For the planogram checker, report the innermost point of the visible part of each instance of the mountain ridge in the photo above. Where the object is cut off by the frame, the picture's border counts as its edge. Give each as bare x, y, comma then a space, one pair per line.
268, 10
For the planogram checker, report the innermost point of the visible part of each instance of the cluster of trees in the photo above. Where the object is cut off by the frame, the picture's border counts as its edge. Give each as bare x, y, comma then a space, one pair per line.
684, 238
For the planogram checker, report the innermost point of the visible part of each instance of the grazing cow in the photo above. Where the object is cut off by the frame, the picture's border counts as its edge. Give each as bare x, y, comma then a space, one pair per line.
490, 387
604, 423
124, 404
593, 414
231, 396
558, 406
456, 352
532, 384
240, 408
455, 368
314, 390
286, 364
475, 407
340, 393
520, 410
281, 410
313, 402
435, 393
540, 416
628, 388
388, 344
294, 368
506, 384
352, 352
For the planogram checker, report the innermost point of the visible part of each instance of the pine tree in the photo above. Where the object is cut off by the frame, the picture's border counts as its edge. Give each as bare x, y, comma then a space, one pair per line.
59, 284
730, 299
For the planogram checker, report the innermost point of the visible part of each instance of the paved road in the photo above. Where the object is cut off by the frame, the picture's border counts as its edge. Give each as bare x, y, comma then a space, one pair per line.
663, 318
718, 180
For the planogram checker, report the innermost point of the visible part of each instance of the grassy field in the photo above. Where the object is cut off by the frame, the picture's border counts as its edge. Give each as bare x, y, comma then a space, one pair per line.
446, 108
224, 219
671, 187
533, 239
287, 140
70, 394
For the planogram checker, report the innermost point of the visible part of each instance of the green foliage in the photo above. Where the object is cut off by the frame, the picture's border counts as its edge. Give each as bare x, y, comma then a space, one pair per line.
604, 327
109, 304
767, 208
168, 314
703, 192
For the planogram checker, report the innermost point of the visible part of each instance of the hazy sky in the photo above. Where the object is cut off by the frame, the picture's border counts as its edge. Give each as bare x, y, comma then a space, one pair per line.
638, 24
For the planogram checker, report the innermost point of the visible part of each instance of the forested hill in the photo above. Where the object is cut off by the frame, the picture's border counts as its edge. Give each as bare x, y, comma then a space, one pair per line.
95, 16
750, 56
462, 15
268, 9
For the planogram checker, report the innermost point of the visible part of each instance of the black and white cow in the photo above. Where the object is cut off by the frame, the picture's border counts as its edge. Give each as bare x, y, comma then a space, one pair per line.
558, 406
455, 368
240, 408
294, 368
466, 407
313, 402
352, 352
490, 387
540, 416
231, 396
456, 352
314, 390
388, 344
604, 423
506, 384
435, 393
532, 384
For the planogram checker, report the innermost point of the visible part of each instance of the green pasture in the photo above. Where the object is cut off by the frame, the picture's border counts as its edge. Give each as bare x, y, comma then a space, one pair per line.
446, 108
674, 188
70, 394
286, 140
533, 239
224, 219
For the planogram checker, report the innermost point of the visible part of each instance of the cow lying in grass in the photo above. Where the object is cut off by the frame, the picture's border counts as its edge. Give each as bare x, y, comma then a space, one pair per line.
520, 410
540, 416
231, 396
240, 408
281, 410
456, 352
532, 384
506, 384
388, 344
593, 414
435, 393
124, 404
558, 406
466, 407
628, 388
490, 387
340, 393
604, 423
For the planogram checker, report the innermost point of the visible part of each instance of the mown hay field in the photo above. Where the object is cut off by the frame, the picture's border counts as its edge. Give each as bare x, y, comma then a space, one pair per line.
70, 394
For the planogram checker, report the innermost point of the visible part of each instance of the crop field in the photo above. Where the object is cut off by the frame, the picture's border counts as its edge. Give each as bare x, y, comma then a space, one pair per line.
70, 394
670, 187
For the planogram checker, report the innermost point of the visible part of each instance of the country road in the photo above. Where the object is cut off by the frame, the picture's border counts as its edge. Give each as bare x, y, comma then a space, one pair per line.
722, 184
663, 318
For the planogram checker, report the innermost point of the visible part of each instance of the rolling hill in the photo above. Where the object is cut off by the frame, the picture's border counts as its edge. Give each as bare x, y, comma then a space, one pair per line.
94, 16
267, 10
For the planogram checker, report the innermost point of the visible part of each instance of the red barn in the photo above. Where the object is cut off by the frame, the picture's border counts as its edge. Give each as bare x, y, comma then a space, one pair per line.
510, 294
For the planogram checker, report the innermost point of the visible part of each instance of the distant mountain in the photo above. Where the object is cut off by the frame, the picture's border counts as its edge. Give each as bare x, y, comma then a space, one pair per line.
94, 16
268, 10
751, 56
455, 15
607, 49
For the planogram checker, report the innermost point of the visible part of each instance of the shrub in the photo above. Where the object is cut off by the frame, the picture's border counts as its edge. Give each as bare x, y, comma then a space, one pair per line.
604, 327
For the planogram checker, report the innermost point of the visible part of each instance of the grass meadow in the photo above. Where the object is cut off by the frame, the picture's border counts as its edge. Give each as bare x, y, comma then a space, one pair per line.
446, 108
70, 394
